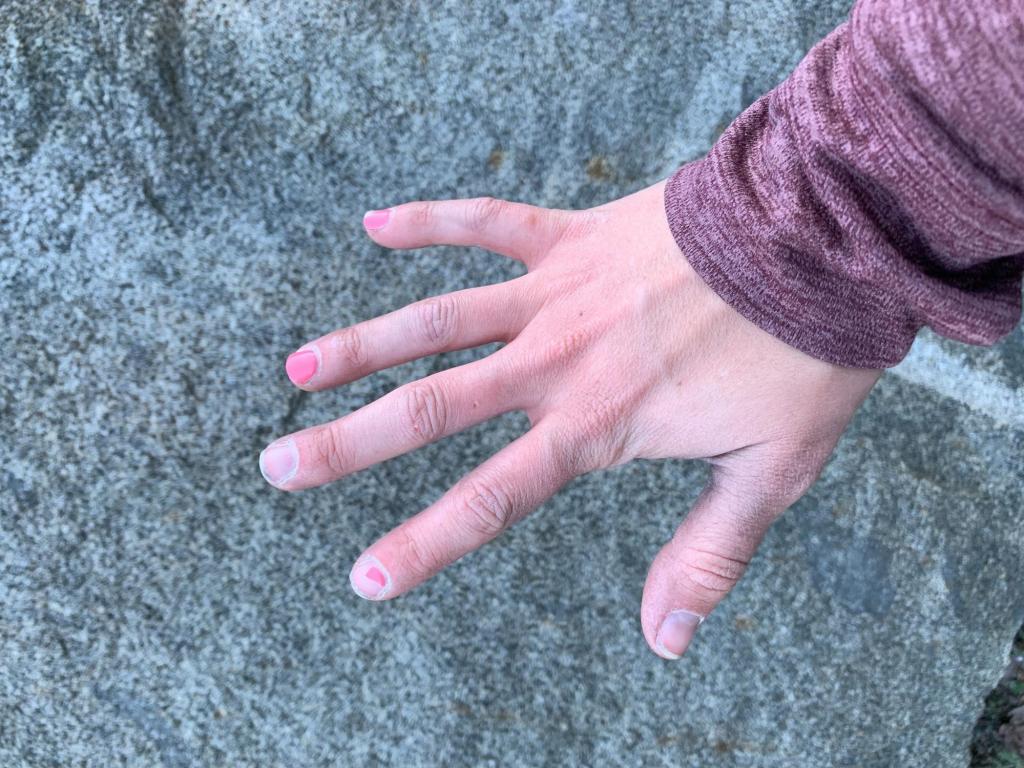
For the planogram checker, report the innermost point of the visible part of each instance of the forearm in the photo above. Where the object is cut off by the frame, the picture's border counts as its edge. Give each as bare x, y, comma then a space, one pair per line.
879, 189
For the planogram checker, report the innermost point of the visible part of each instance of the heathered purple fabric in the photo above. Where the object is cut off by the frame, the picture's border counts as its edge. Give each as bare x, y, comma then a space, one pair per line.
877, 190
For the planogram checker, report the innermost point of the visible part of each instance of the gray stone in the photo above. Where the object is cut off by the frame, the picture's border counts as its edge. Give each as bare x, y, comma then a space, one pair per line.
181, 187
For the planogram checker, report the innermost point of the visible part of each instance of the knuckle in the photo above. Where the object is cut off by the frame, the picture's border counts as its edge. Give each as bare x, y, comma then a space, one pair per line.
764, 483
797, 481
560, 451
330, 450
788, 478
575, 449
562, 284
711, 574
486, 507
565, 348
602, 431
573, 226
349, 343
425, 411
415, 557
423, 215
534, 219
601, 417
483, 211
437, 319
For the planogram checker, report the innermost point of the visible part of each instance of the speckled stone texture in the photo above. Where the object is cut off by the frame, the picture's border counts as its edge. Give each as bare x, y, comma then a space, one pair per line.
181, 187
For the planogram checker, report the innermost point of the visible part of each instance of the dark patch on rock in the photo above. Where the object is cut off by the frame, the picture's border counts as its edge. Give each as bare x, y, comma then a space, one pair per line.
599, 169
854, 570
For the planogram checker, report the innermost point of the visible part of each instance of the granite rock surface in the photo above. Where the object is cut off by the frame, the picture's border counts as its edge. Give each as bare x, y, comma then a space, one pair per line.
181, 188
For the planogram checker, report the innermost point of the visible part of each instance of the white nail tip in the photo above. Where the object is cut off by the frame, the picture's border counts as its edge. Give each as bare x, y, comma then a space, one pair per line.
361, 566
665, 653
688, 617
294, 455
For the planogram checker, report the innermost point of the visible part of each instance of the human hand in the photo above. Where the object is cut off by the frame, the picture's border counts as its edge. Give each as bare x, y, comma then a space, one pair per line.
615, 349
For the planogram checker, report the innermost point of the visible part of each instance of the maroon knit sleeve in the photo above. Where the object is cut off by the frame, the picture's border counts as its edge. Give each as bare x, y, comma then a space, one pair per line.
879, 189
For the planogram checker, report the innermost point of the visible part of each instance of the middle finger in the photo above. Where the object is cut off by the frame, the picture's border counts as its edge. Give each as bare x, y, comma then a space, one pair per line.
406, 418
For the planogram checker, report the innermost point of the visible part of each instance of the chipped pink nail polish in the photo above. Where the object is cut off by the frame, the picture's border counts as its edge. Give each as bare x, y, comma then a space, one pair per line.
370, 578
279, 462
374, 220
301, 366
676, 632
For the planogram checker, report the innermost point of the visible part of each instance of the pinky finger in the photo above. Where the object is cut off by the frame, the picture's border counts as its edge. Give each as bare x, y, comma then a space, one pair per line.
501, 491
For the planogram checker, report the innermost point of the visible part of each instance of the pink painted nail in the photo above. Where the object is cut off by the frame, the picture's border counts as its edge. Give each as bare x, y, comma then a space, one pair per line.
279, 462
374, 220
369, 578
301, 366
676, 632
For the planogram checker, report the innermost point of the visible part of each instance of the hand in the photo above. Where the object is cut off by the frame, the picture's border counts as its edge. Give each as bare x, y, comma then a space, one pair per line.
615, 350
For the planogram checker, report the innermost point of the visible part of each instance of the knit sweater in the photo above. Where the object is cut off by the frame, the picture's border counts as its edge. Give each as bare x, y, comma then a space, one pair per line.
877, 190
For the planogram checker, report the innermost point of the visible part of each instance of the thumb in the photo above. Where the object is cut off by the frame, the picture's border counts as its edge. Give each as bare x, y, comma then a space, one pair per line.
703, 561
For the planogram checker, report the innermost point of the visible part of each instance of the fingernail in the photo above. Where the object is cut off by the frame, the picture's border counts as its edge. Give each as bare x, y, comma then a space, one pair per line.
369, 578
279, 462
676, 632
301, 365
376, 219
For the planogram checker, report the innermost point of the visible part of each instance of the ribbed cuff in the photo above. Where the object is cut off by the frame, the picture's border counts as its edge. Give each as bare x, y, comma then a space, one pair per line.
827, 315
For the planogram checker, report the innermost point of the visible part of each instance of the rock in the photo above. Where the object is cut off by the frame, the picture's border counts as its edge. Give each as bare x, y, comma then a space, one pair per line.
181, 187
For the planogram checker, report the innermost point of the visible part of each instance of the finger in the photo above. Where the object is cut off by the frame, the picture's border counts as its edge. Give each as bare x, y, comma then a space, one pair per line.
406, 418
498, 493
700, 565
458, 320
517, 230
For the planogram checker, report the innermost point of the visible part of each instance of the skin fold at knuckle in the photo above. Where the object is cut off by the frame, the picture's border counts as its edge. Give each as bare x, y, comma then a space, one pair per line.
415, 557
709, 574
603, 432
483, 212
610, 416
331, 450
437, 319
424, 411
586, 440
486, 507
574, 226
768, 479
565, 283
787, 478
349, 346
556, 351
423, 215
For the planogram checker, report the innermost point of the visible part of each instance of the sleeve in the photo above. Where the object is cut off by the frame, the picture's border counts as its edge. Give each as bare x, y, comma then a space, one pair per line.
877, 190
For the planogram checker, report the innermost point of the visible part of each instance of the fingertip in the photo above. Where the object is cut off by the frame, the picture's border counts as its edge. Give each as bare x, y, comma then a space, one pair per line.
370, 579
670, 612
279, 462
376, 220
303, 365
676, 632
